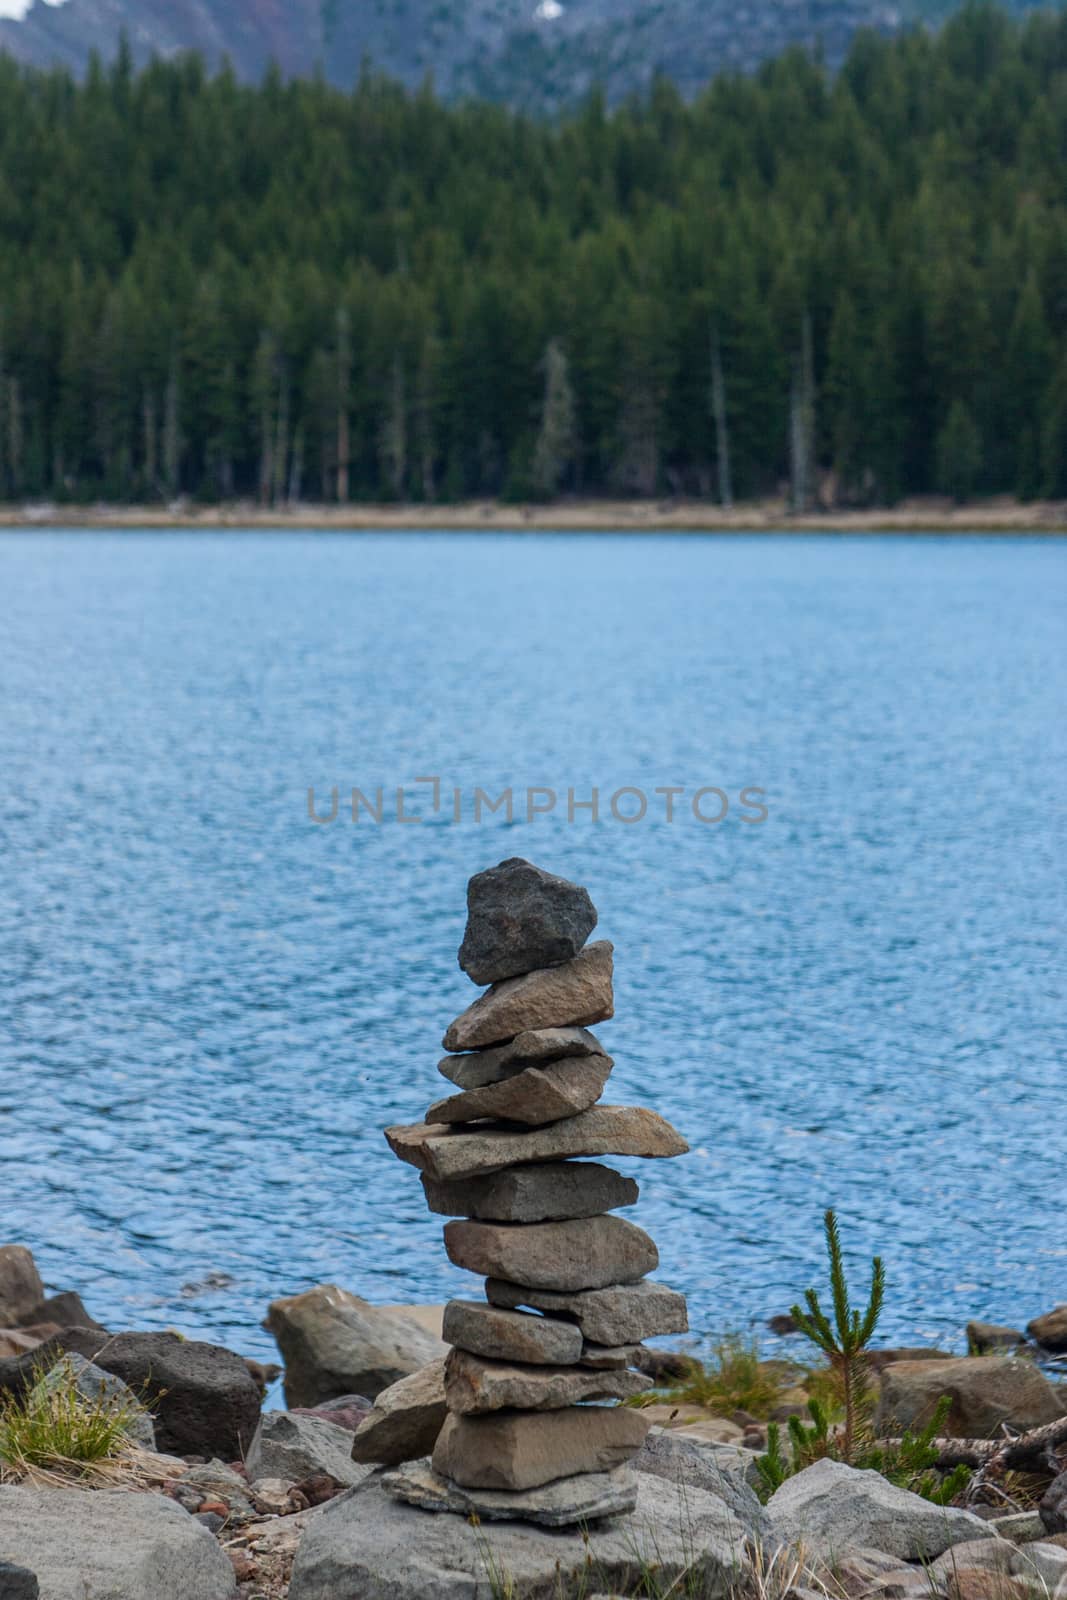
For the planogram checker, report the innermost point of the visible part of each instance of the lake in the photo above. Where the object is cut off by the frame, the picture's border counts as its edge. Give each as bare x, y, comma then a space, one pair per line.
211, 1005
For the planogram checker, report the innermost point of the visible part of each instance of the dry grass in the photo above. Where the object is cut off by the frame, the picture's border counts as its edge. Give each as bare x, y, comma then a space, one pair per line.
732, 1379
55, 1433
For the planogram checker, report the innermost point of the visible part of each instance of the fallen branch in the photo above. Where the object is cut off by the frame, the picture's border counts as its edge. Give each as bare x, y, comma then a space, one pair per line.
1033, 1449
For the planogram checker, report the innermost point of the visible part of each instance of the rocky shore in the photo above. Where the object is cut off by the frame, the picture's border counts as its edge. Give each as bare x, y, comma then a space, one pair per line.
213, 1497
527, 1445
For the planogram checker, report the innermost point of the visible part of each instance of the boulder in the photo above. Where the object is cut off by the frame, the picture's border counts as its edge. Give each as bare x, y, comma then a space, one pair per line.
297, 1447
103, 1389
486, 1330
726, 1471
565, 1256
523, 1449
990, 1338
202, 1396
18, 1341
550, 1191
474, 1385
369, 1546
406, 1419
21, 1289
1042, 1566
111, 1545
519, 918
333, 1343
1053, 1507
576, 994
831, 1508
976, 1555
1051, 1329
477, 1068
535, 1097
18, 1583
346, 1411
67, 1310
215, 1481
583, 1499
986, 1391
449, 1152
620, 1314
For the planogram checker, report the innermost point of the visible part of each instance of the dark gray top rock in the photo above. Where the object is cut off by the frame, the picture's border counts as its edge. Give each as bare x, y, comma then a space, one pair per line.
520, 918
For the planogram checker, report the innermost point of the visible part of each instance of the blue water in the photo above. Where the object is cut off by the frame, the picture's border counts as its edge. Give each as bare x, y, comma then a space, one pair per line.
210, 1006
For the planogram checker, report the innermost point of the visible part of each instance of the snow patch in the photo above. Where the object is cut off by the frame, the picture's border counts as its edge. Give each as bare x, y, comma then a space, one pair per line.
547, 11
17, 10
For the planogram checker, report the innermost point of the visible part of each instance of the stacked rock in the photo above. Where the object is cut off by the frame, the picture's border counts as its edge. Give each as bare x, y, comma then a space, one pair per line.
568, 1300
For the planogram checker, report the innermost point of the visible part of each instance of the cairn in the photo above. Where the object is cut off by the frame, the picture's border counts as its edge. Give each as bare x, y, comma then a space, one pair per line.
567, 1296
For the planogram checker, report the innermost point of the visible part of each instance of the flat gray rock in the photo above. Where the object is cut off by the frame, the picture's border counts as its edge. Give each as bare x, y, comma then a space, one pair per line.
832, 1508
296, 1447
619, 1314
367, 1546
486, 1330
608, 1357
474, 1385
549, 1191
587, 1254
333, 1343
721, 1470
587, 1498
477, 1068
406, 1419
576, 994
524, 1449
448, 1152
520, 917
111, 1545
535, 1096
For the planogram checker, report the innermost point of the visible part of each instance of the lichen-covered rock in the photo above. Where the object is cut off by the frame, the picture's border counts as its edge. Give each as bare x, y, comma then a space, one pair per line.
21, 1289
831, 1508
1050, 1330
406, 1419
576, 994
985, 1391
333, 1343
536, 1096
523, 1449
590, 1253
287, 1445
463, 1152
368, 1546
548, 1191
111, 1545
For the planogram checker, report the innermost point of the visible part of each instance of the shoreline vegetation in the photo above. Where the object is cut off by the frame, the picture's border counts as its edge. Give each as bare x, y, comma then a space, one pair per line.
920, 515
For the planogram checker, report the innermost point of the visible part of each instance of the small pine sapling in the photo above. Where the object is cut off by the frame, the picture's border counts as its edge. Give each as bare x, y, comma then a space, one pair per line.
845, 1343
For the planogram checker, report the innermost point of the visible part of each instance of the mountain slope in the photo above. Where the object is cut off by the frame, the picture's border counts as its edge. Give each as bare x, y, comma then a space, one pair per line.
538, 54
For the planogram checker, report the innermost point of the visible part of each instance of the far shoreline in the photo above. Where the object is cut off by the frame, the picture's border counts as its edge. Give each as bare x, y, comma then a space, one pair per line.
925, 516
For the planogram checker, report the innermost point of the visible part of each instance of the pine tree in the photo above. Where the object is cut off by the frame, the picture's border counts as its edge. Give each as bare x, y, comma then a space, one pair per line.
554, 450
959, 454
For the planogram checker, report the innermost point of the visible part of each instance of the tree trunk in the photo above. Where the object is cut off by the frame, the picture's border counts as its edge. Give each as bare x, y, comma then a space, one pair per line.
171, 436
151, 467
718, 407
281, 442
344, 378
